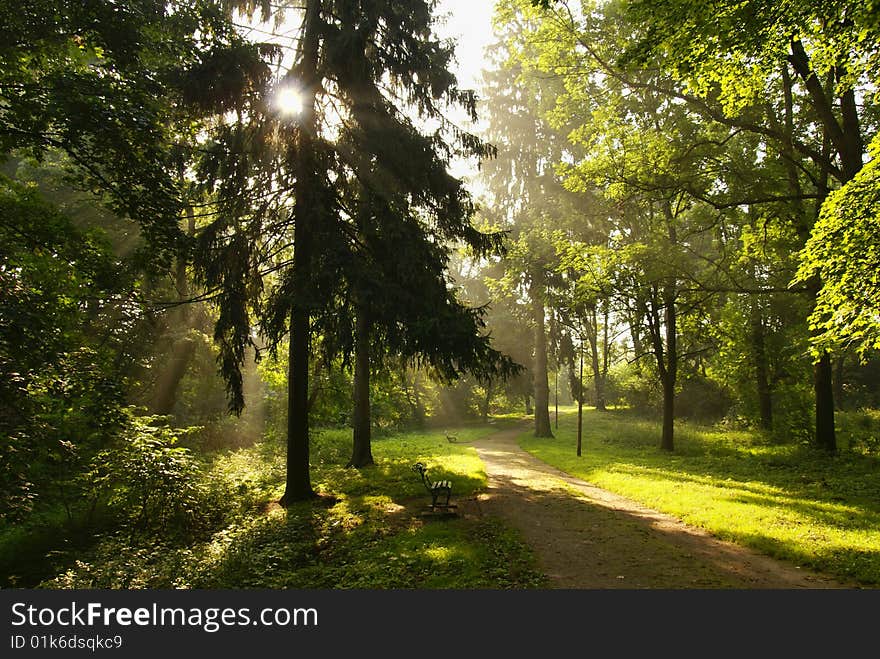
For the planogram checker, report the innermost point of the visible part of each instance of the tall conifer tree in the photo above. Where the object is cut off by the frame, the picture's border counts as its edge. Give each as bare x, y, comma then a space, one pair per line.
351, 205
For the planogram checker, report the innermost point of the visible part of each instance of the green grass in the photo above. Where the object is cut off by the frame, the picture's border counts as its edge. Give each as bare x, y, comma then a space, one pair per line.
788, 501
365, 532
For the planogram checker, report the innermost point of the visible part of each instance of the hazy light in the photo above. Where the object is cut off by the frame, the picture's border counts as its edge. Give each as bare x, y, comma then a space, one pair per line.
288, 101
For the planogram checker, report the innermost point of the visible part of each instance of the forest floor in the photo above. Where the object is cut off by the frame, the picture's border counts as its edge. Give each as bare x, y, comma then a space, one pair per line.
587, 537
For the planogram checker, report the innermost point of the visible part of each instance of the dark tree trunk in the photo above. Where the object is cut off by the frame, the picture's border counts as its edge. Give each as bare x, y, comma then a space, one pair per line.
838, 381
636, 336
413, 398
361, 455
484, 405
664, 339
315, 391
541, 384
556, 396
306, 206
299, 487
667, 442
528, 402
598, 379
762, 380
843, 133
580, 402
671, 370
606, 357
825, 436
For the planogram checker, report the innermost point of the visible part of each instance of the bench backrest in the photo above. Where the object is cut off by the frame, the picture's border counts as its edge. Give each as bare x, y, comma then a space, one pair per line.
422, 470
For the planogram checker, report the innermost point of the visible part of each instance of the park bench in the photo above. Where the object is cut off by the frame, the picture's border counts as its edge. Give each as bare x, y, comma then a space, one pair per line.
436, 489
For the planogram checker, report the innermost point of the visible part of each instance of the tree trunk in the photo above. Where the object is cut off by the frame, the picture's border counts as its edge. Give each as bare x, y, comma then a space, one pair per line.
413, 398
556, 396
299, 487
838, 381
825, 435
361, 455
670, 373
580, 402
762, 381
667, 442
845, 136
670, 321
598, 379
528, 402
541, 384
487, 399
606, 357
636, 336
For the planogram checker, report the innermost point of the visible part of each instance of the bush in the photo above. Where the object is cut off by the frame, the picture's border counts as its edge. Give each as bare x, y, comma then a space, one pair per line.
634, 385
155, 487
859, 431
702, 399
794, 414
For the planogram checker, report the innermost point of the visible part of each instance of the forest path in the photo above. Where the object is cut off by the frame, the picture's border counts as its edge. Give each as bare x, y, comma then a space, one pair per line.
587, 537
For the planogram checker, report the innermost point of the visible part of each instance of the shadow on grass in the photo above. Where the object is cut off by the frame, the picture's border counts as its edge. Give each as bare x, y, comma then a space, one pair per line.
587, 544
350, 544
795, 471
839, 493
365, 543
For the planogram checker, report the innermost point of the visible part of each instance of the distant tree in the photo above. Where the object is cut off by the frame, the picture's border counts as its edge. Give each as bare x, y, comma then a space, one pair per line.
789, 80
524, 193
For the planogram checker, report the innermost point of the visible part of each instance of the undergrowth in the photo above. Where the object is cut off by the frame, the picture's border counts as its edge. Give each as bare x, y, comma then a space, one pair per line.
365, 531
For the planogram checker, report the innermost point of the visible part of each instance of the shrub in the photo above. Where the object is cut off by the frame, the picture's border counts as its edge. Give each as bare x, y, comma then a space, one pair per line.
155, 487
702, 399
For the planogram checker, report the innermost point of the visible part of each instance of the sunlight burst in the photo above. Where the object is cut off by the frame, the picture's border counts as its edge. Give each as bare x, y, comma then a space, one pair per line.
288, 101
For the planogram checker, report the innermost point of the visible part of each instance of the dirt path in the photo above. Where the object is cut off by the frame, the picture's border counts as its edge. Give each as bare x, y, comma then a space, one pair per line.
586, 537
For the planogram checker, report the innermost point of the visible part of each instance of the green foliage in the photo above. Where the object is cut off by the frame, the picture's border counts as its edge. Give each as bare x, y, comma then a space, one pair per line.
702, 399
111, 86
60, 388
154, 486
369, 537
786, 343
734, 47
363, 197
844, 253
787, 500
635, 385
860, 431
394, 403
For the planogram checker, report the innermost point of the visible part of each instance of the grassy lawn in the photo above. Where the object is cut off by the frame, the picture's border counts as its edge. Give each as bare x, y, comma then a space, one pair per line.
368, 535
788, 501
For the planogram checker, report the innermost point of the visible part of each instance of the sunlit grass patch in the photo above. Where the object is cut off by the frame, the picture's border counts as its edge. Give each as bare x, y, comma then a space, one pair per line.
368, 539
786, 500
368, 536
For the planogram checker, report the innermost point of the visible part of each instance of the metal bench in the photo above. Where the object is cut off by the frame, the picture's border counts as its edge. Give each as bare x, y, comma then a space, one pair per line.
436, 489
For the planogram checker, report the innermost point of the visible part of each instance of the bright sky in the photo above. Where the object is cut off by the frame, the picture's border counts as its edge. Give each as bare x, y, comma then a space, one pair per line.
470, 24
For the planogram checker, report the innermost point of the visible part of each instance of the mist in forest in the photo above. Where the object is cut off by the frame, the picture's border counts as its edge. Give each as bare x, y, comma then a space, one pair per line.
245, 254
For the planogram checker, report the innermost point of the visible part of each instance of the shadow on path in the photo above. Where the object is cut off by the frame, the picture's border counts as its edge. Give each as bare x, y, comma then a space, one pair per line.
587, 537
